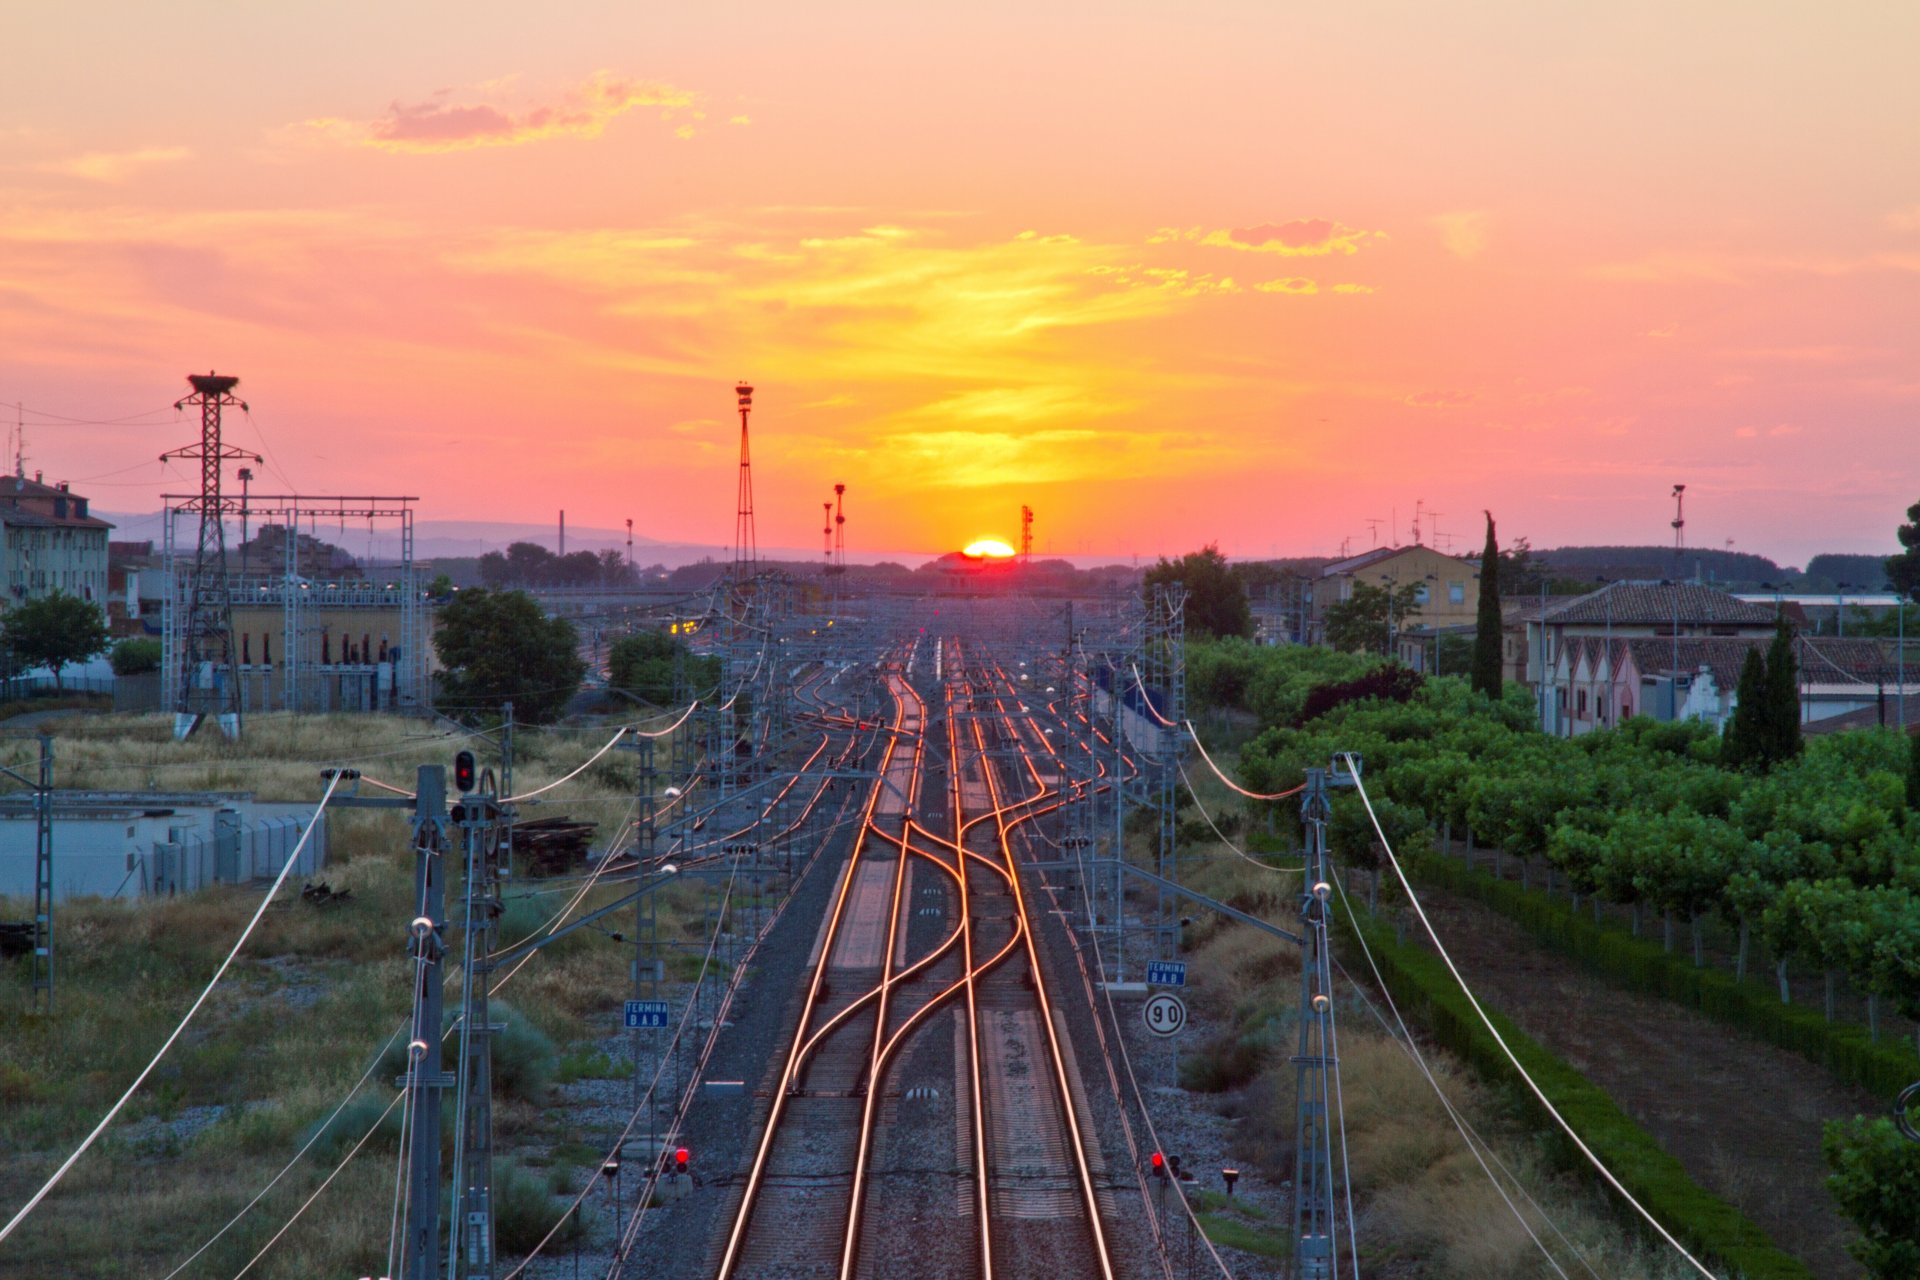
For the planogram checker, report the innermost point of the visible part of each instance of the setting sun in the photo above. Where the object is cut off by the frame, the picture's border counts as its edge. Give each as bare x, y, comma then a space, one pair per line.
988, 549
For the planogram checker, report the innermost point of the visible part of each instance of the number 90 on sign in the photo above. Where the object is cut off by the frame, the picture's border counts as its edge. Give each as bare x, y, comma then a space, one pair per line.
1165, 1014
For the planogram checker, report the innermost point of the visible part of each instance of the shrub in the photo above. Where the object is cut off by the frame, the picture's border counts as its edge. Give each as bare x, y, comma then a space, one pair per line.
351, 1124
1876, 1183
135, 657
1226, 1061
1390, 683
524, 1210
524, 1058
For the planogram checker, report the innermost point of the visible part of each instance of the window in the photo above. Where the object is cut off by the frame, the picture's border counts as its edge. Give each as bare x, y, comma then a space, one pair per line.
1420, 593
1456, 593
1583, 703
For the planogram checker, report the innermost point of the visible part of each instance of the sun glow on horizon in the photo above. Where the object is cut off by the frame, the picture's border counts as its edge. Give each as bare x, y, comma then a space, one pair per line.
988, 549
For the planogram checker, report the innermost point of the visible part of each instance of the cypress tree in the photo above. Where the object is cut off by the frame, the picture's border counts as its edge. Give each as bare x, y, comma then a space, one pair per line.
1745, 745
1486, 630
1913, 772
1783, 698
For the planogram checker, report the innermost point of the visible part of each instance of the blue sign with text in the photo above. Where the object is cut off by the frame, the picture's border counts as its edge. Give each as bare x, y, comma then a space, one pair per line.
1167, 973
646, 1013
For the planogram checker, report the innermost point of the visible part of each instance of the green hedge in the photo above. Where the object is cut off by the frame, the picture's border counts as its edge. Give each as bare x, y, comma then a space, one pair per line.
1642, 965
1704, 1222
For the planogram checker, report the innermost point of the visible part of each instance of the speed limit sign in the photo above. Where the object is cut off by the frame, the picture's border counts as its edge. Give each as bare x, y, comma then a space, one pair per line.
1165, 1014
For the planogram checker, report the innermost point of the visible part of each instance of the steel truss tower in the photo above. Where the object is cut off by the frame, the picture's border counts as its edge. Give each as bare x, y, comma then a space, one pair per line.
839, 528
209, 679
746, 553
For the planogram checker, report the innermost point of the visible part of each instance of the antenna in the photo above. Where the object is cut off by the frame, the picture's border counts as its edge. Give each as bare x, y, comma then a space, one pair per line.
1373, 526
1679, 524
1026, 534
826, 532
839, 528
1417, 505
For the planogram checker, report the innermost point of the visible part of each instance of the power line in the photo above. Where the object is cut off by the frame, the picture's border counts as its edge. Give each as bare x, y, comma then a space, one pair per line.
293, 859
1354, 764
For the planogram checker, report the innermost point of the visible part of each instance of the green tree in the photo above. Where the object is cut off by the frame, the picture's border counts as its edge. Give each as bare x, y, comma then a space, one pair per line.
1875, 1180
497, 647
1367, 620
135, 656
1216, 595
1903, 570
1487, 626
1746, 743
440, 587
54, 630
1913, 773
643, 665
1783, 697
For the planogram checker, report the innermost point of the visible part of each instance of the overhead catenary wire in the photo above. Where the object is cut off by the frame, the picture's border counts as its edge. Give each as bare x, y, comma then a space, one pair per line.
293, 859
1599, 1165
567, 777
318, 1132
1201, 806
1404, 1038
1231, 784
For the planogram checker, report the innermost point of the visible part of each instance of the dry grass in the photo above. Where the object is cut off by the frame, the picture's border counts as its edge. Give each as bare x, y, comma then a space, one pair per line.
297, 1020
1423, 1203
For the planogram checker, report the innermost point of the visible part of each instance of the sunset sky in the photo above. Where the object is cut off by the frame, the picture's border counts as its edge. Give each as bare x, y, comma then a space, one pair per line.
1166, 272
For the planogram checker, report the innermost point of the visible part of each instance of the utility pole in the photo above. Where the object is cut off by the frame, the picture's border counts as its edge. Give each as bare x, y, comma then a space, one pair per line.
42, 874
209, 680
1317, 1063
425, 1079
470, 1242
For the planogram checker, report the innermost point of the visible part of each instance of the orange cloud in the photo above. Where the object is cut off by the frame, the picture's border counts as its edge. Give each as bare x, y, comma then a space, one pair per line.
1300, 238
1296, 285
440, 124
116, 166
1463, 234
1439, 399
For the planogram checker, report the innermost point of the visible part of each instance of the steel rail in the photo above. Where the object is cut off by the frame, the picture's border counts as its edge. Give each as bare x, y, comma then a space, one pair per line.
1082, 1168
757, 1172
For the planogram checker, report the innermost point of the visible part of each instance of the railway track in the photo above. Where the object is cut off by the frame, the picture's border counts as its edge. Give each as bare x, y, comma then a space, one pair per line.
927, 1118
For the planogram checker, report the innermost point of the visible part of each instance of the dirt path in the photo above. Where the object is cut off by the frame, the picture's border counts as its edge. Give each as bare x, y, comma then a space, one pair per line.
1742, 1116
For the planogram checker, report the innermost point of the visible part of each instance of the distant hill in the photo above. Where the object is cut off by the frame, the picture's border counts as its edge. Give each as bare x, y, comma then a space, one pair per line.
1732, 568
1828, 572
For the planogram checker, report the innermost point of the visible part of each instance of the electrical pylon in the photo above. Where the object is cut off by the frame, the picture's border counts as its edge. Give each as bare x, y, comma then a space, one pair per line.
209, 682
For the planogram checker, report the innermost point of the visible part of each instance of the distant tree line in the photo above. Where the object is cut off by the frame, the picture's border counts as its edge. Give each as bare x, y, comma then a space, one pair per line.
528, 564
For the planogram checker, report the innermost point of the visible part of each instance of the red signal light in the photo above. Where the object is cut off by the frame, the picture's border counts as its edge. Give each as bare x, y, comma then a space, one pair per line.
1159, 1165
680, 1160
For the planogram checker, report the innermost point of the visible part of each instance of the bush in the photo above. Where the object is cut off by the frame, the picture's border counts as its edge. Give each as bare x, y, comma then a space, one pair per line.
524, 1059
1876, 1183
1225, 1062
135, 657
524, 1210
352, 1123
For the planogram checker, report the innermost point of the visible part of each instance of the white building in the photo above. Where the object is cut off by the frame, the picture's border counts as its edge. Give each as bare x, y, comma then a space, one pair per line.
50, 543
154, 844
